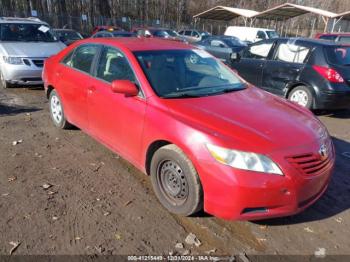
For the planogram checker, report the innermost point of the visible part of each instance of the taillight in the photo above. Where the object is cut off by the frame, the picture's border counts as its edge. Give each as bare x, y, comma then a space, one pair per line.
330, 74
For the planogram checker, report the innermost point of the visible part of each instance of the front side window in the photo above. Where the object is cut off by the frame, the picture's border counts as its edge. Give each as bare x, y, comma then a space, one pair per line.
188, 33
260, 51
292, 53
187, 73
217, 43
114, 66
83, 57
15, 32
261, 35
328, 37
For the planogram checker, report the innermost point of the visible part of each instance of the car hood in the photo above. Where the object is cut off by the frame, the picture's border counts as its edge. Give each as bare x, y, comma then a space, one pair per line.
250, 119
32, 49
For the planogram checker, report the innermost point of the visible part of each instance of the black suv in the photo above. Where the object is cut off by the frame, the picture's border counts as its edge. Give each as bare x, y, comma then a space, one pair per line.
313, 73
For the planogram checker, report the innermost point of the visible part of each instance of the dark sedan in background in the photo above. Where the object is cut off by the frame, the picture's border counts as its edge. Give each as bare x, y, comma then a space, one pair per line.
67, 36
108, 34
222, 47
313, 73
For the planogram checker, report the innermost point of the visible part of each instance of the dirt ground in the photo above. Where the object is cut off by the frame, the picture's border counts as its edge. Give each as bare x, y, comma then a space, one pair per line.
97, 203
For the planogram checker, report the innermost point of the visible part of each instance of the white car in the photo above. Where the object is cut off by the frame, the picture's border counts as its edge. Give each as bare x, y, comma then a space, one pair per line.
251, 34
25, 43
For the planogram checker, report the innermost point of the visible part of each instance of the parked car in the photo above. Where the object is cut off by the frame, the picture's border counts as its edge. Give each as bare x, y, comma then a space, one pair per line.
313, 73
251, 34
25, 43
67, 36
206, 137
106, 28
222, 47
193, 35
158, 33
343, 38
106, 34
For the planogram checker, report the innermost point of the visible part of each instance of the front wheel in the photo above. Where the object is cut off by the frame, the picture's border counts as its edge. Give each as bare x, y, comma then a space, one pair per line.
302, 96
176, 182
56, 111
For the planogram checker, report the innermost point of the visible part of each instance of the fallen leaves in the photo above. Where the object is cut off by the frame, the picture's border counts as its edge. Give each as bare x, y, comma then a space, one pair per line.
46, 186
11, 179
14, 245
17, 142
192, 239
309, 230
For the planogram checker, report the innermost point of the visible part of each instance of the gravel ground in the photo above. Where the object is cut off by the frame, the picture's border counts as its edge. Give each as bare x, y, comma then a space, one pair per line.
62, 193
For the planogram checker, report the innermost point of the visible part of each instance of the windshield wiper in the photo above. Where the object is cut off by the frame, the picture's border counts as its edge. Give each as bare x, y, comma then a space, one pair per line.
181, 95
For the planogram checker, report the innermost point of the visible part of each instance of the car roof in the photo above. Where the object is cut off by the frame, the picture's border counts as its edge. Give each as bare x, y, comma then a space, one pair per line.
17, 20
311, 41
64, 30
140, 44
335, 34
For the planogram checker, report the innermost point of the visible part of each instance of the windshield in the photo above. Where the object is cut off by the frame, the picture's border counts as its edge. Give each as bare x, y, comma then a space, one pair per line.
26, 33
272, 34
338, 55
187, 73
69, 35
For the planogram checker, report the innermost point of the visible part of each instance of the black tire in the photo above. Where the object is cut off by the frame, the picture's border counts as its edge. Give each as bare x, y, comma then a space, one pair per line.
305, 90
3, 83
60, 122
186, 194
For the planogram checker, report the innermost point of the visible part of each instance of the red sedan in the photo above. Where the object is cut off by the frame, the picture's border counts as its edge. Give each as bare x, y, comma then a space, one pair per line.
207, 138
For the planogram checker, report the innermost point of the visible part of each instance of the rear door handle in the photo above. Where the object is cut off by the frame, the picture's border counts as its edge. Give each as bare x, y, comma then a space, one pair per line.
91, 90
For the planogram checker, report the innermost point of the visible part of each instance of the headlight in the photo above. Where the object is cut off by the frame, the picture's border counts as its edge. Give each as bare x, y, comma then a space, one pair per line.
13, 60
244, 160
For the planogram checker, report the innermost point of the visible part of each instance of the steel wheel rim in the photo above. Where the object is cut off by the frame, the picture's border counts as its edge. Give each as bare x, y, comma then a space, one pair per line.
56, 109
300, 97
172, 182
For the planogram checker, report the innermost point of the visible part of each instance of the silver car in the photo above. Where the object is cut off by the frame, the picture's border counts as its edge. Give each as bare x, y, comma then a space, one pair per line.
25, 43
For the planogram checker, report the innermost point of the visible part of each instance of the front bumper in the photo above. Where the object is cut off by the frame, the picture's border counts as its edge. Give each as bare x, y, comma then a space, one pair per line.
22, 74
244, 195
333, 100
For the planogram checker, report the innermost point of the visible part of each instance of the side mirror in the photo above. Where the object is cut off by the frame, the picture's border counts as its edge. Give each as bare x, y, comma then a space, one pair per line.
125, 87
235, 57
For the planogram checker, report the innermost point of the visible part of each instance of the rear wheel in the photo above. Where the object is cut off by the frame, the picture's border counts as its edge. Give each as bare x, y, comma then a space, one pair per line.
176, 182
302, 96
3, 82
56, 111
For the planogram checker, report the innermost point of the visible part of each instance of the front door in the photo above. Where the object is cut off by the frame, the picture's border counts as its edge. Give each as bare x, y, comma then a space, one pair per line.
115, 119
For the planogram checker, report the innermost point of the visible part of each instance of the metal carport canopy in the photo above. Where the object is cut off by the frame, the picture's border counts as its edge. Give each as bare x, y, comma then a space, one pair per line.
343, 16
225, 13
287, 11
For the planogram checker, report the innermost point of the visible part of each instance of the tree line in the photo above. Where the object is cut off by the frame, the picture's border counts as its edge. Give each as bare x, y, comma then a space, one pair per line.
176, 12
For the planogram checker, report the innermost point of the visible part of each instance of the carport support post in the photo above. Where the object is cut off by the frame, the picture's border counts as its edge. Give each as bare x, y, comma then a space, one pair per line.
325, 20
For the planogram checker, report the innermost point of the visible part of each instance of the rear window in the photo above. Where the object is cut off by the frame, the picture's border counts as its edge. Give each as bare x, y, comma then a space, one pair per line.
344, 39
328, 37
338, 55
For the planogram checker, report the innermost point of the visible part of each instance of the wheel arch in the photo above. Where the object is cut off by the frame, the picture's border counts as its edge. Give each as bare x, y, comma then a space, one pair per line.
152, 148
294, 85
50, 88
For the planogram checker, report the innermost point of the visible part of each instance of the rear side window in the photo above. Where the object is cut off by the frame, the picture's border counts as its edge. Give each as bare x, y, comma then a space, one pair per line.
328, 37
259, 51
114, 66
338, 55
261, 35
292, 53
217, 43
83, 57
344, 39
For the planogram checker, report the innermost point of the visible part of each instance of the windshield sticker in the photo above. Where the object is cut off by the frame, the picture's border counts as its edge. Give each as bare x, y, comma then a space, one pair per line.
43, 28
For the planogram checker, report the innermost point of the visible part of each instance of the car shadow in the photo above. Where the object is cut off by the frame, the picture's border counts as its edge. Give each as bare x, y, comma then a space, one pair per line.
335, 201
341, 114
7, 110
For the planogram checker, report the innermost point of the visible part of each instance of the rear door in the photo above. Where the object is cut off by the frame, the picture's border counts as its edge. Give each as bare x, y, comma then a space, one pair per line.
73, 78
253, 60
285, 67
